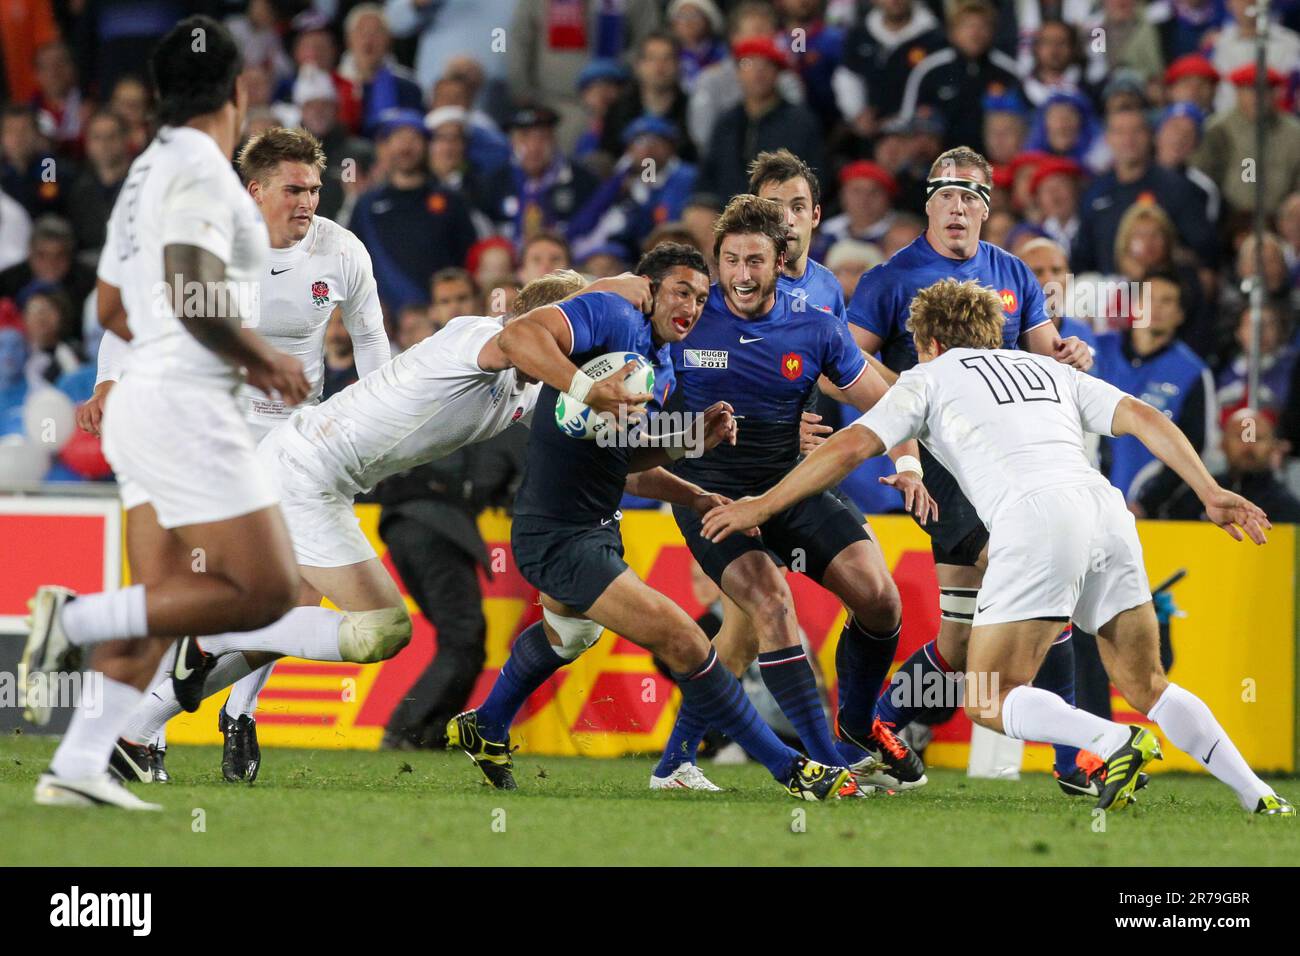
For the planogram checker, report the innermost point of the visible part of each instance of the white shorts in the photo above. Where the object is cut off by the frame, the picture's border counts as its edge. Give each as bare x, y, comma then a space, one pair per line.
184, 449
322, 521
1069, 553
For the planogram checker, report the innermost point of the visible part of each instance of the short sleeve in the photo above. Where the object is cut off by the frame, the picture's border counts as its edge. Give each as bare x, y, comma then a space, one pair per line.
901, 413
1033, 311
110, 265
596, 321
872, 304
195, 213
843, 358
111, 361
1097, 402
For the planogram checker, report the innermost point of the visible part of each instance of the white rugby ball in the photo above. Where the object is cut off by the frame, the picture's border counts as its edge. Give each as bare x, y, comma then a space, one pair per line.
576, 419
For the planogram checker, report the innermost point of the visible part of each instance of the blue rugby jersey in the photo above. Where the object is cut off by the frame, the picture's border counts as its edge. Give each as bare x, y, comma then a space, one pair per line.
818, 287
575, 479
765, 368
884, 295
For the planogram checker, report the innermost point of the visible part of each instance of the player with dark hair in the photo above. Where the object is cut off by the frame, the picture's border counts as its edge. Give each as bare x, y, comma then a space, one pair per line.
783, 177
565, 533
763, 350
1062, 545
957, 205
178, 278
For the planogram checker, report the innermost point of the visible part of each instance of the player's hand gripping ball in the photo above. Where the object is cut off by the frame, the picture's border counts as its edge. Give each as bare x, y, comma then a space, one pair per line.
576, 419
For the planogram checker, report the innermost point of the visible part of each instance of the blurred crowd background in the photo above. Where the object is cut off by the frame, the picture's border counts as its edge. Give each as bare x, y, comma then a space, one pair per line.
476, 144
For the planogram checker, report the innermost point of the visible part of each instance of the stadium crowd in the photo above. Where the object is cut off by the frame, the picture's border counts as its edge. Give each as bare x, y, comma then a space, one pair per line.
474, 145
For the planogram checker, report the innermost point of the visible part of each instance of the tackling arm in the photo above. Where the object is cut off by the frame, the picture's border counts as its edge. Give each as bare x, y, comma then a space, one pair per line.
1163, 438
825, 467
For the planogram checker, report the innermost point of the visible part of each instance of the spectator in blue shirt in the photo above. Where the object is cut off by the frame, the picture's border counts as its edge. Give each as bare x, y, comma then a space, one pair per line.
411, 226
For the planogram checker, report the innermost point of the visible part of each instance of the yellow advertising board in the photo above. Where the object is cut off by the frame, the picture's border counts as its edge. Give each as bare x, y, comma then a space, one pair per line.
1236, 648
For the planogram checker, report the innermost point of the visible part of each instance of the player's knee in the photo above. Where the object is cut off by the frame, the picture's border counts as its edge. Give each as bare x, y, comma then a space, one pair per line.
576, 634
366, 637
876, 603
1142, 691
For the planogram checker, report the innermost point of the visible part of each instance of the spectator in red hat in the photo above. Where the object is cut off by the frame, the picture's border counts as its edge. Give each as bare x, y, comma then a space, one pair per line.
1192, 79
1055, 186
1234, 48
867, 194
1253, 453
490, 259
1230, 138
717, 88
764, 121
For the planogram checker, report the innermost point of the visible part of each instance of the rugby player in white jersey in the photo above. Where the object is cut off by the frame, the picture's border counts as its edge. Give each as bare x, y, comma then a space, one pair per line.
315, 269
1010, 427
209, 550
452, 389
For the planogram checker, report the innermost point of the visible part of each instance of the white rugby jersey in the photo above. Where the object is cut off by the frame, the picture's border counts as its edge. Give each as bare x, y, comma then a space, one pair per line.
424, 404
1006, 423
303, 284
180, 191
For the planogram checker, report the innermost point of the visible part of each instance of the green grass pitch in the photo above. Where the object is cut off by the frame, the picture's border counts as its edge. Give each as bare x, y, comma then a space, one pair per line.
323, 808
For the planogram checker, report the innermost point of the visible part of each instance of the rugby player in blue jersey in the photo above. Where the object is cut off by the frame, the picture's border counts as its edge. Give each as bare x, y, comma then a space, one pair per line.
784, 178
764, 350
565, 534
957, 206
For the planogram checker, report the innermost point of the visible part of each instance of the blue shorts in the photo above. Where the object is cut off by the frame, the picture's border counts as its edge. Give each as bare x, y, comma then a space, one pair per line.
805, 537
958, 535
571, 562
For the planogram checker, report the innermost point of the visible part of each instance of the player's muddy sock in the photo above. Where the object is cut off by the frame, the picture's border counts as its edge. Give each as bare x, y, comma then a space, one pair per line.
1191, 727
684, 742
923, 681
790, 679
110, 615
1056, 675
532, 660
159, 705
311, 633
97, 722
243, 693
1030, 713
713, 693
862, 662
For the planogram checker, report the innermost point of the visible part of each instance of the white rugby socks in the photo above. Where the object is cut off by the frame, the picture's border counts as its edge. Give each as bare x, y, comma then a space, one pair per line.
1189, 725
1030, 713
107, 616
97, 722
308, 632
243, 695
155, 708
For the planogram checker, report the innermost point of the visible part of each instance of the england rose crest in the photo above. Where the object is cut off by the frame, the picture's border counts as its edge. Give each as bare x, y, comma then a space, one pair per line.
320, 292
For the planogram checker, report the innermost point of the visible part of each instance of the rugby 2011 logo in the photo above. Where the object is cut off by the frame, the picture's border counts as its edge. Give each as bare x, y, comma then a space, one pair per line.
705, 358
320, 293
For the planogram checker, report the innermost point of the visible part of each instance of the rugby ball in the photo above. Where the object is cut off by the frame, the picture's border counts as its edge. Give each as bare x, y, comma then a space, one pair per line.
576, 419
